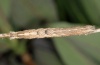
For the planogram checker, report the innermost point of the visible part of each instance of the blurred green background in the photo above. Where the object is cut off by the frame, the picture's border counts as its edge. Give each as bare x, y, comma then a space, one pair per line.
18, 15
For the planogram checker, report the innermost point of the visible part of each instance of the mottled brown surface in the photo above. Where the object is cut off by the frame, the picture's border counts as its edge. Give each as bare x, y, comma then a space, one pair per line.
50, 32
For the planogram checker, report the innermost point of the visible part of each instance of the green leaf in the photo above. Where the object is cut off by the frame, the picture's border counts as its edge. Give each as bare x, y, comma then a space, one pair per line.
76, 50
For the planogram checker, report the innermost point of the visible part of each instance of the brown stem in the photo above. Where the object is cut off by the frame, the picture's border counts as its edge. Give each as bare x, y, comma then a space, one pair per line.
27, 60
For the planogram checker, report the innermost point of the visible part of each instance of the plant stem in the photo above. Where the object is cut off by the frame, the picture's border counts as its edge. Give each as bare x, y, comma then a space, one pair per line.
26, 58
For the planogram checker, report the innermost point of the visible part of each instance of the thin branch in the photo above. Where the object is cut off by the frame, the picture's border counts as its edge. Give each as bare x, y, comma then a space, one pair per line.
50, 32
27, 59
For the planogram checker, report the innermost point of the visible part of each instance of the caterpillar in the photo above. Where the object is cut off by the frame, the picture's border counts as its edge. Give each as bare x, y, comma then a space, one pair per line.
50, 32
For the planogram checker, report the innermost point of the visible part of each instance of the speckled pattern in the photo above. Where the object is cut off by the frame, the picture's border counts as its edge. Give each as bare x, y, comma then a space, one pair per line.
50, 32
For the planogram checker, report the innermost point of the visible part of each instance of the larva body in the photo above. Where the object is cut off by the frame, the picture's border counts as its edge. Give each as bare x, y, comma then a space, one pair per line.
51, 32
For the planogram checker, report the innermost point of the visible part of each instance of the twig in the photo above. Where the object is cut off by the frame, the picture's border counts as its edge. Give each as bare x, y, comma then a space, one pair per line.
27, 59
50, 32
